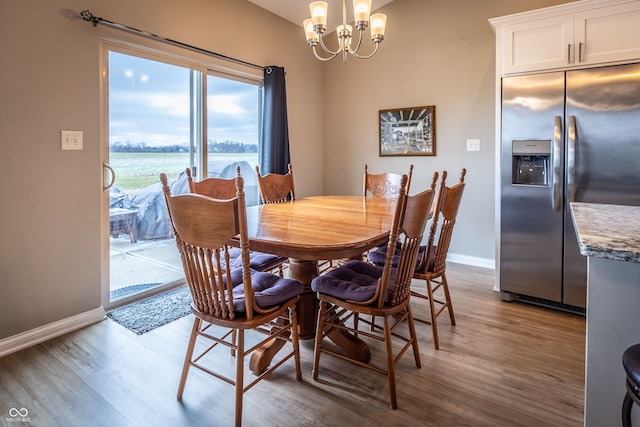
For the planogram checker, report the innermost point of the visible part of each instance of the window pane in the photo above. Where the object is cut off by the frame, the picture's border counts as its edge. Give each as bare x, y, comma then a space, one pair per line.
233, 113
149, 115
153, 128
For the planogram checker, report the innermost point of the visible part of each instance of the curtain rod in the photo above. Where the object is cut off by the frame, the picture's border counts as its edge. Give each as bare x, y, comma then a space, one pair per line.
88, 16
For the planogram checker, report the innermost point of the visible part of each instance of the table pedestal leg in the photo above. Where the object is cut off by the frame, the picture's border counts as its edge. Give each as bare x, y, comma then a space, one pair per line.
261, 358
354, 347
305, 271
307, 309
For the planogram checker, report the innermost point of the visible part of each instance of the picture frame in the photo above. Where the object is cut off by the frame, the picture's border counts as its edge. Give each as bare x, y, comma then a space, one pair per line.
408, 131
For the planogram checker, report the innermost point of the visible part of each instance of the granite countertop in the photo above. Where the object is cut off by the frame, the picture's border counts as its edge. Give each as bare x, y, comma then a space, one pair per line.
608, 231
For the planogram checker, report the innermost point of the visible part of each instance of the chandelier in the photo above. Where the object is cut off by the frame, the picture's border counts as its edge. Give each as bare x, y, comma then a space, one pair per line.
315, 26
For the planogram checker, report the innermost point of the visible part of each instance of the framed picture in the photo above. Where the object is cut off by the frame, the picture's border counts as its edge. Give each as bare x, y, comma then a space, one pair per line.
408, 131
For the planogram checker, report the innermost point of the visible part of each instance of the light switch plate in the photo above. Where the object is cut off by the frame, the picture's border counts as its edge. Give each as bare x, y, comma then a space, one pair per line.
473, 145
71, 139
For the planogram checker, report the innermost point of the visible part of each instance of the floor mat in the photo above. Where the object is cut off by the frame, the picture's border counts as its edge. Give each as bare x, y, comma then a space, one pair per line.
148, 314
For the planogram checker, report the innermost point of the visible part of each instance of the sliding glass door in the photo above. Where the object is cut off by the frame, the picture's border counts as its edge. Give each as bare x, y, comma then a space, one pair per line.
153, 122
160, 113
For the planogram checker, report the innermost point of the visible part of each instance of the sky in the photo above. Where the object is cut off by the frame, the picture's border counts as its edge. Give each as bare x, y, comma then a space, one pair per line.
149, 102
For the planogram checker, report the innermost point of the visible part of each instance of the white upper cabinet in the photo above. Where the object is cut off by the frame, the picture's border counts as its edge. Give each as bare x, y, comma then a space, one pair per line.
608, 34
542, 44
573, 35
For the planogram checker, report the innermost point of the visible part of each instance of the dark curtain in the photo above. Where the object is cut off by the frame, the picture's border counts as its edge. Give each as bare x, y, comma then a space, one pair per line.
275, 128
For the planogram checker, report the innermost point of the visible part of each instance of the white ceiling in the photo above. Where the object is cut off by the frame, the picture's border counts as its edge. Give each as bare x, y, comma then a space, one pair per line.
297, 11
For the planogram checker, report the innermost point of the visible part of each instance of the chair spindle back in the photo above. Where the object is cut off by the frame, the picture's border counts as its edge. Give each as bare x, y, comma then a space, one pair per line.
447, 205
409, 224
203, 227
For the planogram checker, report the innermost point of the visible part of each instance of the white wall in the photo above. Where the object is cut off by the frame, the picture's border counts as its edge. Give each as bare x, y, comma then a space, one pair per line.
435, 53
50, 216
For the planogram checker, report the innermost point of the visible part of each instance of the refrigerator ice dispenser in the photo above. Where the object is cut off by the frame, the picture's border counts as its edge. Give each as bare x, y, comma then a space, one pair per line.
531, 162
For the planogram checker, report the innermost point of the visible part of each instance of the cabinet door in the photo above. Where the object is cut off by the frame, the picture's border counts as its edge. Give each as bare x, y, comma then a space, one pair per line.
608, 34
540, 44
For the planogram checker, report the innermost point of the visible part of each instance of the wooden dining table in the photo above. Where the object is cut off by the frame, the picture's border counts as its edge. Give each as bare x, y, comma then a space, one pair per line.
318, 228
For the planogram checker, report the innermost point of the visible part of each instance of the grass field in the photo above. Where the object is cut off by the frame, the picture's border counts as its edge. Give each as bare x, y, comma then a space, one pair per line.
138, 170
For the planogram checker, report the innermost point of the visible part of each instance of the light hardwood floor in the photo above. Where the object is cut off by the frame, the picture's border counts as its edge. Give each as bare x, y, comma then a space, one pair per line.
503, 364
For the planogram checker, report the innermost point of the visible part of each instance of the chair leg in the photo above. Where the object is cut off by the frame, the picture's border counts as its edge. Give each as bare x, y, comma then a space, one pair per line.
187, 358
445, 288
432, 313
414, 337
239, 377
391, 372
373, 323
233, 342
627, 404
318, 343
356, 322
293, 321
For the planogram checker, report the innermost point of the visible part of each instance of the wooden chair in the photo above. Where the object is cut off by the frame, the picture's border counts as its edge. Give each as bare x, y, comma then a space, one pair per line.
384, 185
360, 288
433, 269
224, 189
216, 188
276, 188
227, 301
433, 256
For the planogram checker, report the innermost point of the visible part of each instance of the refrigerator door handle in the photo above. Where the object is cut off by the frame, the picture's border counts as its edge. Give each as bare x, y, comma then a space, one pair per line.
571, 159
557, 144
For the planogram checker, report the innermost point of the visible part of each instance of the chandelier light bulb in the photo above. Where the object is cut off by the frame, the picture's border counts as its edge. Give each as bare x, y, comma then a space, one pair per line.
318, 11
378, 24
361, 10
312, 37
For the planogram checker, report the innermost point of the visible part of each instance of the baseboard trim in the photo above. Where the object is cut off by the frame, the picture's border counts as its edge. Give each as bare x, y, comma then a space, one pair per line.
52, 330
70, 324
473, 261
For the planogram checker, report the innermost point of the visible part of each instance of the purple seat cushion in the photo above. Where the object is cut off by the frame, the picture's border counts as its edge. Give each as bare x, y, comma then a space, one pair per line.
257, 260
379, 256
268, 289
355, 280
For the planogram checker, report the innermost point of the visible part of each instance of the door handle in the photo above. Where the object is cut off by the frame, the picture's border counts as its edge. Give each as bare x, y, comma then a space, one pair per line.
106, 168
555, 158
571, 159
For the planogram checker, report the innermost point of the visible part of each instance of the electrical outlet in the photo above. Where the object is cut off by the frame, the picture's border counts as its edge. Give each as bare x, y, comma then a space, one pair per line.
71, 139
473, 145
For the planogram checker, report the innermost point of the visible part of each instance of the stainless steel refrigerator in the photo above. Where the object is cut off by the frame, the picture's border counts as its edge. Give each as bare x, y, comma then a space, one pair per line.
566, 136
